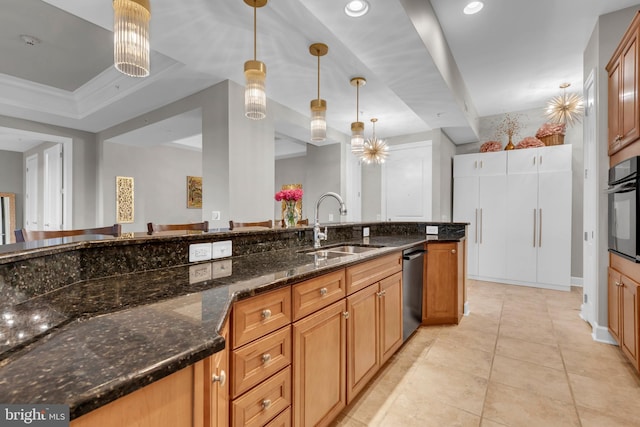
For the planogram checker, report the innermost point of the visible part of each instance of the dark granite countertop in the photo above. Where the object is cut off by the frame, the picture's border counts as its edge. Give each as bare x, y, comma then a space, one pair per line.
91, 342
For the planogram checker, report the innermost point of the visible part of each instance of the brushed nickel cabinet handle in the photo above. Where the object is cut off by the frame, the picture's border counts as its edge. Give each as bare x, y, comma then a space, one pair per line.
266, 358
534, 228
266, 313
480, 225
323, 291
221, 379
540, 230
476, 223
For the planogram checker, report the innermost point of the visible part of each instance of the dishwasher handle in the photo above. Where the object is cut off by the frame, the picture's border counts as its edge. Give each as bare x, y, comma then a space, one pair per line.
413, 255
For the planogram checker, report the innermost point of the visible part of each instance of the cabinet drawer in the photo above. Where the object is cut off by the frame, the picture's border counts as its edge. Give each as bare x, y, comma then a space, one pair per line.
264, 402
260, 315
362, 275
260, 359
282, 420
312, 295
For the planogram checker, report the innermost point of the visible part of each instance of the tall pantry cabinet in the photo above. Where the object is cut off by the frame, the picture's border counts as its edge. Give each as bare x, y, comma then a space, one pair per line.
518, 206
539, 216
479, 198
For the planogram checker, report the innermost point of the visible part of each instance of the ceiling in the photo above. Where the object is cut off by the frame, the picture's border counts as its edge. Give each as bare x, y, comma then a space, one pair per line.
427, 65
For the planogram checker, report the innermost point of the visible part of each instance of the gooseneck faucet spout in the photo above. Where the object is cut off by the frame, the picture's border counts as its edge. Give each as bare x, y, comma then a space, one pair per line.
317, 234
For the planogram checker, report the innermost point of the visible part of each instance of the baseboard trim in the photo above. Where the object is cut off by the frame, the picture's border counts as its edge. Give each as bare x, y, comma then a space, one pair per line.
466, 311
566, 288
602, 334
577, 281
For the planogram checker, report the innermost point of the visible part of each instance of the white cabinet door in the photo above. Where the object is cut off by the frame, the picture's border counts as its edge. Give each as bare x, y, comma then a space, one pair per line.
492, 233
554, 158
466, 209
521, 226
494, 163
554, 228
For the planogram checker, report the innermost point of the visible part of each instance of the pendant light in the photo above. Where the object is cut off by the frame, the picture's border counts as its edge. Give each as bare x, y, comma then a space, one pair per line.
564, 108
131, 37
357, 127
375, 150
255, 72
318, 106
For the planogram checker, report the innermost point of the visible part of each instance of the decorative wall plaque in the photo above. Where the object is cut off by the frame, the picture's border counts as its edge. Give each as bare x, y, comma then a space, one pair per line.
124, 199
194, 192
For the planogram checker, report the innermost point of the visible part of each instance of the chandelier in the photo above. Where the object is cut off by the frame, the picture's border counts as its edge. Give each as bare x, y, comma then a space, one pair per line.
564, 108
357, 127
375, 150
318, 106
255, 72
131, 37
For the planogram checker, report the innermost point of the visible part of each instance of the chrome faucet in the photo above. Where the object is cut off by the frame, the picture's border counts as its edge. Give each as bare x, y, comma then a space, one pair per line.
317, 234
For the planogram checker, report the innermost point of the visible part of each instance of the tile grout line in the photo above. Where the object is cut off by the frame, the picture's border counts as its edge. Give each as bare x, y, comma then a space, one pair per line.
493, 356
564, 366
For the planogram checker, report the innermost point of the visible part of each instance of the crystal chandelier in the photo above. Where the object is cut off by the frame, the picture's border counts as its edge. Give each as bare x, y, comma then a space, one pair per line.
357, 127
131, 37
567, 109
318, 106
255, 72
375, 150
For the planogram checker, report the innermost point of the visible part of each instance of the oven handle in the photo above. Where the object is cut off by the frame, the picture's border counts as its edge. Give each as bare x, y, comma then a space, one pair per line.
624, 187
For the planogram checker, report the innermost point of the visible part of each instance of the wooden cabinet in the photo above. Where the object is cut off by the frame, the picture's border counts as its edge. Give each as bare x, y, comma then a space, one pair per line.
613, 294
623, 306
166, 402
629, 318
374, 330
443, 294
319, 366
623, 104
364, 274
216, 386
261, 358
311, 295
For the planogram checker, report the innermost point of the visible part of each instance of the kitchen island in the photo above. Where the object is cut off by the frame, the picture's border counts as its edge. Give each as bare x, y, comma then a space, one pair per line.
87, 341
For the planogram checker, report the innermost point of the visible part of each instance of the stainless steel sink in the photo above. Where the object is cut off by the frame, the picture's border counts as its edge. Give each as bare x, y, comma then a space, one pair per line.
342, 250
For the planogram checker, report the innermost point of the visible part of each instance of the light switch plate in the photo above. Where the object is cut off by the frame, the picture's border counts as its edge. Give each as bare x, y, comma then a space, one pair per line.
199, 252
432, 229
221, 249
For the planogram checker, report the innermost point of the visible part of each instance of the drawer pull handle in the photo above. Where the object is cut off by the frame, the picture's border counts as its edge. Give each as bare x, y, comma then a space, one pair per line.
266, 358
617, 283
266, 403
323, 291
345, 314
266, 313
453, 251
222, 378
381, 293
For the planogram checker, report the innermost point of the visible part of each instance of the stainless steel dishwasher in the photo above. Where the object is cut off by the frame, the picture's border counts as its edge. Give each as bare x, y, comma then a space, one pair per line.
412, 278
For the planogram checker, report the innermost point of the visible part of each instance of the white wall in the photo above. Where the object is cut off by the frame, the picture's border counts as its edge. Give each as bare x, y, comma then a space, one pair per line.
11, 177
160, 183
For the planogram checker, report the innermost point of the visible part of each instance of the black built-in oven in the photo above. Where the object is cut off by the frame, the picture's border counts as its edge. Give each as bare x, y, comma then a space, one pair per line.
623, 209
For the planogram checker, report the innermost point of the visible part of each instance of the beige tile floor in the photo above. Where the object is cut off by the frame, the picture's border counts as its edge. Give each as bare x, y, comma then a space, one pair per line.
523, 357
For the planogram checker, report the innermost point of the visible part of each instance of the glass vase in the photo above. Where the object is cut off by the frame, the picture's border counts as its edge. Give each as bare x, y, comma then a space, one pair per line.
290, 214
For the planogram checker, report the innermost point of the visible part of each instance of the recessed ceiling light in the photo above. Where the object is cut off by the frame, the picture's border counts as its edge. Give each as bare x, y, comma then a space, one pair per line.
356, 8
473, 7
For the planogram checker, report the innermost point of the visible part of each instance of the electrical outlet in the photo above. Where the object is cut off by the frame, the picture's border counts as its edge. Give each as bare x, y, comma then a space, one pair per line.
330, 217
215, 215
432, 229
221, 249
199, 252
365, 231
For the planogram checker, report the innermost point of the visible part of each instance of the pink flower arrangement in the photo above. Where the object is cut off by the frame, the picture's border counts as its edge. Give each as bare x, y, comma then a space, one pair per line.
293, 194
530, 142
549, 129
490, 146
